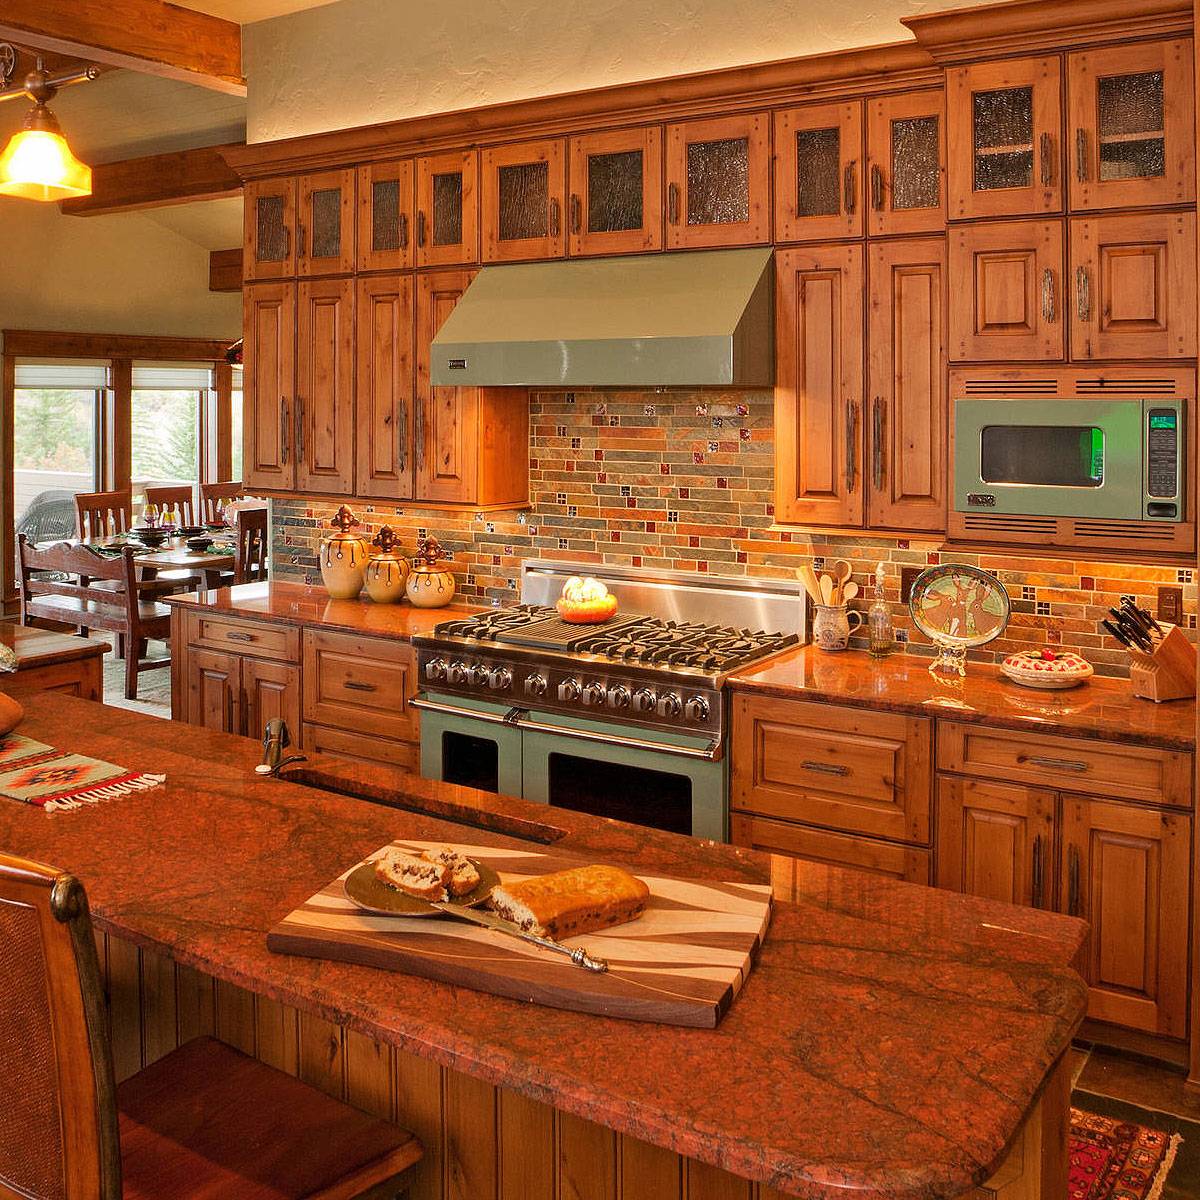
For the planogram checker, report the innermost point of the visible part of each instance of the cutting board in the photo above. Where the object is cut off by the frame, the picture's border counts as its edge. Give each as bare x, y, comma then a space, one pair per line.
680, 963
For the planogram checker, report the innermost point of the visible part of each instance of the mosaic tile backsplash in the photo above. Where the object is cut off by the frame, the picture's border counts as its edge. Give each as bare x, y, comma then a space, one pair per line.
683, 481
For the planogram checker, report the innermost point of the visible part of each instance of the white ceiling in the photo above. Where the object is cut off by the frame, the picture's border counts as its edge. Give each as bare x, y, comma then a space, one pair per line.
245, 12
212, 224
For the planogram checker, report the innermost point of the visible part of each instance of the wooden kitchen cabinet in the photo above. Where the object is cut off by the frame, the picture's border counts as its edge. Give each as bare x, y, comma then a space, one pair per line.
719, 182
1131, 120
523, 192
269, 206
1126, 871
1004, 149
447, 209
819, 385
269, 381
819, 172
1009, 295
325, 223
906, 163
906, 383
1134, 286
269, 690
615, 202
324, 425
385, 216
232, 693
384, 319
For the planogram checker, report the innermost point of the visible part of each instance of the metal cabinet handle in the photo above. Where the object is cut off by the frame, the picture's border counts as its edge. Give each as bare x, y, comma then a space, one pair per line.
403, 231
402, 434
240, 637
1083, 294
283, 431
576, 214
876, 187
878, 419
1073, 897
1053, 764
673, 203
851, 442
419, 432
299, 429
355, 685
1049, 311
1046, 149
230, 727
1038, 872
420, 227
1081, 155
825, 768
555, 217
848, 185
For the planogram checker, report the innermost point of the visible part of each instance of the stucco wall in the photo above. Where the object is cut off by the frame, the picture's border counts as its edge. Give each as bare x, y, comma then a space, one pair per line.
358, 62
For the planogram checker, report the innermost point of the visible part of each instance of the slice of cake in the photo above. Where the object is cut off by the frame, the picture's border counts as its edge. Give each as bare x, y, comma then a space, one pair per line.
464, 877
412, 875
567, 903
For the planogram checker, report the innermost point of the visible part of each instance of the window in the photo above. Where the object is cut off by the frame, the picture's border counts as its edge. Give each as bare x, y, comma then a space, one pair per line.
235, 425
165, 424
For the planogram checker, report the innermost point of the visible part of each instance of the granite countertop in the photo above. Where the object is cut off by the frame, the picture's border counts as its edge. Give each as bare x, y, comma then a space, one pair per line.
1100, 708
889, 1040
296, 604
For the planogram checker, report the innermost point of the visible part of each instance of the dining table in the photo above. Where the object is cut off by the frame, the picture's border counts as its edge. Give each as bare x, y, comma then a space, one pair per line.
172, 555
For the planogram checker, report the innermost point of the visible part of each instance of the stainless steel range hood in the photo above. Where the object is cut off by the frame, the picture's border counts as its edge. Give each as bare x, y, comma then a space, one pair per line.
688, 319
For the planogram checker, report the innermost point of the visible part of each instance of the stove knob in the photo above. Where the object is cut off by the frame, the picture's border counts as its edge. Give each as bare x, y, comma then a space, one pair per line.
499, 679
536, 685
435, 670
477, 675
569, 691
669, 705
618, 697
593, 694
456, 672
696, 709
644, 700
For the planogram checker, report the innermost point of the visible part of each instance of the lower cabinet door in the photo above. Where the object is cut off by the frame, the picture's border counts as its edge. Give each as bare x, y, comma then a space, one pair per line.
270, 690
213, 689
1126, 871
996, 841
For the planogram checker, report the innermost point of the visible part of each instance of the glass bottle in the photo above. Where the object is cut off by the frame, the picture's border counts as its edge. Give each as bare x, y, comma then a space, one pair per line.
881, 635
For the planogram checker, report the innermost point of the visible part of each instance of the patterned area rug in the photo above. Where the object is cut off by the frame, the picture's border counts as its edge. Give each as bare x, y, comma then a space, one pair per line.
1118, 1160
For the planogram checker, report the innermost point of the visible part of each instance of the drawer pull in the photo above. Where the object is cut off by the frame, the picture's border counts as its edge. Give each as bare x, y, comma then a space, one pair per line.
240, 637
355, 685
1053, 764
825, 768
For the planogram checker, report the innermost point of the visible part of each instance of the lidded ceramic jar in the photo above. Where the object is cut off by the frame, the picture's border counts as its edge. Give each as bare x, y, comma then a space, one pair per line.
343, 557
430, 585
387, 571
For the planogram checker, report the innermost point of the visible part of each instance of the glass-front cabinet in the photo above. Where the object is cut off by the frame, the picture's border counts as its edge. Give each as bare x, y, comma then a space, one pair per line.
818, 172
325, 223
447, 209
270, 221
522, 193
906, 163
385, 204
1005, 149
615, 200
1131, 125
719, 182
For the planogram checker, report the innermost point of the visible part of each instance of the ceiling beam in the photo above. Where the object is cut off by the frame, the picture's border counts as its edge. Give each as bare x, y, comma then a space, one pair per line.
143, 35
225, 270
157, 181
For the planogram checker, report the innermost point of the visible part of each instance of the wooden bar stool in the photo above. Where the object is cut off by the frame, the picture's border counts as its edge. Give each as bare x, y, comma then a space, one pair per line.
203, 1123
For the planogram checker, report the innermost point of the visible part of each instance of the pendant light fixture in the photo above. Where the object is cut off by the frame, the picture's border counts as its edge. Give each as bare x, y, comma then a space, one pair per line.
37, 163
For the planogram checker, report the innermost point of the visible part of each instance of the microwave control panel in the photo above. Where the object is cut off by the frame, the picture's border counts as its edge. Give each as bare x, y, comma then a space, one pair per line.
1163, 442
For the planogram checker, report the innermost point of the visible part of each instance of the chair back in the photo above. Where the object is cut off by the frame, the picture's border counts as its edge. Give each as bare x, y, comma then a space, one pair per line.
251, 551
178, 496
58, 1113
42, 571
212, 494
92, 510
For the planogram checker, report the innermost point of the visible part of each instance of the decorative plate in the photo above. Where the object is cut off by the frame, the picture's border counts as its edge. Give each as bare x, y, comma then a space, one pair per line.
1031, 668
958, 607
371, 894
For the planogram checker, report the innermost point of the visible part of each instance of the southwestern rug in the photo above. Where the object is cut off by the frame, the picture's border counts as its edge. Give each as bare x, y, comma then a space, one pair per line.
1118, 1159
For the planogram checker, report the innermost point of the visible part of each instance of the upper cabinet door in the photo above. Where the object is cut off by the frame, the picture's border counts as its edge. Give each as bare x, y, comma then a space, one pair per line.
325, 225
447, 217
1132, 124
615, 204
906, 163
269, 328
818, 172
1134, 280
524, 198
325, 387
1009, 299
719, 182
270, 221
385, 207
818, 385
1005, 149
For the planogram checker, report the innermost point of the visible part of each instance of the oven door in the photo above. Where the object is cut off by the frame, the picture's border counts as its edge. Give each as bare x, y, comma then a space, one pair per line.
1049, 458
467, 741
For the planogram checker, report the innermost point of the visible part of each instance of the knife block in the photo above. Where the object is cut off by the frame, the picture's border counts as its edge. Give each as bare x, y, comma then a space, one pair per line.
1167, 674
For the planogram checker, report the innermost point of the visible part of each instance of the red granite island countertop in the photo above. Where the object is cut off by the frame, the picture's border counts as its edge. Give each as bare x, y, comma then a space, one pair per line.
1100, 708
296, 604
888, 1042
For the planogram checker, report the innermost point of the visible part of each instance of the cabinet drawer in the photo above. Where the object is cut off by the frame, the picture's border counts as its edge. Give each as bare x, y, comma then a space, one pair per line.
850, 769
279, 642
1070, 764
360, 684
361, 747
910, 863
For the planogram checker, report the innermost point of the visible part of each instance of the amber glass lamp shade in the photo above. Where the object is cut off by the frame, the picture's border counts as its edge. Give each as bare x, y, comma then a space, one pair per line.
37, 163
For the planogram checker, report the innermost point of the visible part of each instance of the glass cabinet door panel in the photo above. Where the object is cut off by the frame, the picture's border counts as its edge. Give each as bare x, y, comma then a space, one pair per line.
718, 182
614, 198
1129, 112
272, 236
447, 209
523, 193
1003, 125
524, 201
614, 192
269, 208
385, 214
916, 163
818, 176
818, 172
326, 223
385, 205
906, 162
447, 220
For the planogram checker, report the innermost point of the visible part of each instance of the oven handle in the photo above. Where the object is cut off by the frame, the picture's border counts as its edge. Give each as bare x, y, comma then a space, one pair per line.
518, 718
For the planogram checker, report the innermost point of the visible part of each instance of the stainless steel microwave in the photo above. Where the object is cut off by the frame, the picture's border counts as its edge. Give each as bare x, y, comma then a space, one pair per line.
1099, 458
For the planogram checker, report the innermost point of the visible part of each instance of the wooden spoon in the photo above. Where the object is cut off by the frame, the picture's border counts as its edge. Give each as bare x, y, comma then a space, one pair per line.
849, 592
827, 590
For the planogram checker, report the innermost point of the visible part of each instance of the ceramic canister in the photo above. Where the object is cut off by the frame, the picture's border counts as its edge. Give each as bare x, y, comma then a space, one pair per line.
343, 557
430, 585
386, 572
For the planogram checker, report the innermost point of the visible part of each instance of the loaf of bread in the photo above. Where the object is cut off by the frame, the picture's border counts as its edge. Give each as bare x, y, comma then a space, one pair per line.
464, 877
567, 903
412, 875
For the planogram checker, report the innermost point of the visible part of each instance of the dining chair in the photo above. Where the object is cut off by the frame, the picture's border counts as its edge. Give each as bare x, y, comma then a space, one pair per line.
212, 494
93, 510
251, 549
204, 1121
174, 496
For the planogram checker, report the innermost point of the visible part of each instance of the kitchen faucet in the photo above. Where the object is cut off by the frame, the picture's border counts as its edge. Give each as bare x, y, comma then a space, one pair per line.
275, 739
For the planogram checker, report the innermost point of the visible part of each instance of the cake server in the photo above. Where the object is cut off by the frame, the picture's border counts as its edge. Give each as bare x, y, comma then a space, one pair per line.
579, 956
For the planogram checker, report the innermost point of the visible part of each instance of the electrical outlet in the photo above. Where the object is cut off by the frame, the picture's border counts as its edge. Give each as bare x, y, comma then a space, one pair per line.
1170, 604
908, 576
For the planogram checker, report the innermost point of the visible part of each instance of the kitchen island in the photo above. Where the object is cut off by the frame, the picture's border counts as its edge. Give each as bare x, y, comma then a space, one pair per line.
892, 1041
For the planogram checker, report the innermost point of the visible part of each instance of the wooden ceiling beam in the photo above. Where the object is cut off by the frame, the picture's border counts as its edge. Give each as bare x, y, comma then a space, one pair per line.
157, 181
225, 270
150, 36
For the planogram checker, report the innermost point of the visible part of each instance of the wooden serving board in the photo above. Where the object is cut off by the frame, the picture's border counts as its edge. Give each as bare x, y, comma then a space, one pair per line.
680, 963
